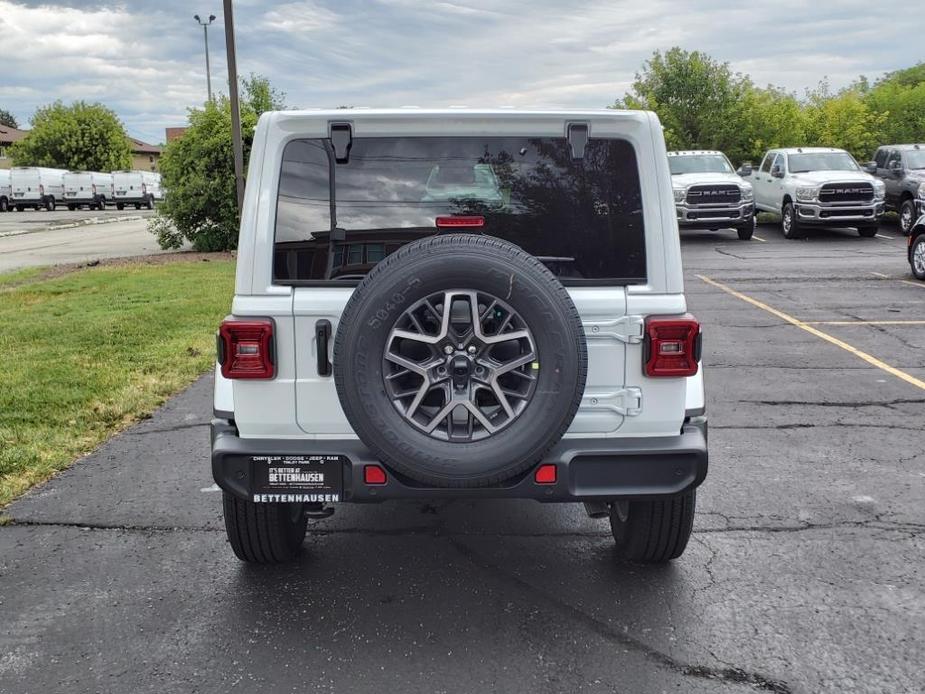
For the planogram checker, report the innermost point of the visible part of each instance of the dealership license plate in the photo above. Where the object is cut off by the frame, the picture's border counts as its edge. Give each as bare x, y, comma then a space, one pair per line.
297, 478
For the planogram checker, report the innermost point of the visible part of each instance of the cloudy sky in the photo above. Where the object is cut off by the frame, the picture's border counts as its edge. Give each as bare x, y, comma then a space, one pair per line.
145, 58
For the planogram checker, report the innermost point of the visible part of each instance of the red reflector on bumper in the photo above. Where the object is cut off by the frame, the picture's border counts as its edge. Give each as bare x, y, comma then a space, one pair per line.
373, 474
545, 474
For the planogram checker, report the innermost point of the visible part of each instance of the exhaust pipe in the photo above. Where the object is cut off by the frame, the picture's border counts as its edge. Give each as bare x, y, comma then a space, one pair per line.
597, 509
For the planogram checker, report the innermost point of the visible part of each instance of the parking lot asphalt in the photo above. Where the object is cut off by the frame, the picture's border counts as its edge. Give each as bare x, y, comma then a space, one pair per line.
803, 575
37, 237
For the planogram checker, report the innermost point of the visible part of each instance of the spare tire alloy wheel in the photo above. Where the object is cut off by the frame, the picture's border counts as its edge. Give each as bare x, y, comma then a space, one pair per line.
458, 365
460, 360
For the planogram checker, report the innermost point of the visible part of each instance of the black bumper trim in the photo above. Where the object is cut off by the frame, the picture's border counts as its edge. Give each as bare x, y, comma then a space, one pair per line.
588, 469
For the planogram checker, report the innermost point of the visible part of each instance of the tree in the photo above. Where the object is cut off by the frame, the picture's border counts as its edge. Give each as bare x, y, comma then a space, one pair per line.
698, 99
83, 136
900, 97
197, 171
770, 117
8, 119
843, 120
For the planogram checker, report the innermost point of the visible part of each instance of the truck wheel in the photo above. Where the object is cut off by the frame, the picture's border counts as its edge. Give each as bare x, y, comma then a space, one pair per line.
869, 231
71, 207
20, 208
917, 257
50, 204
790, 223
460, 360
264, 533
655, 531
4, 205
120, 206
906, 216
746, 230
149, 203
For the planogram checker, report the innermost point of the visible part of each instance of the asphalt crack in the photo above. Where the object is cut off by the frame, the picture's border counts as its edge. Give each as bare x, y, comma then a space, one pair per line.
728, 674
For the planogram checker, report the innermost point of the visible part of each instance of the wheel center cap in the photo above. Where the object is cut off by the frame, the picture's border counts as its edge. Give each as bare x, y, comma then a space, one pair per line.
461, 370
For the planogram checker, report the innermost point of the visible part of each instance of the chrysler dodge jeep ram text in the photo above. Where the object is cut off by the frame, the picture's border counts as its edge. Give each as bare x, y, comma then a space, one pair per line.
709, 194
817, 186
459, 304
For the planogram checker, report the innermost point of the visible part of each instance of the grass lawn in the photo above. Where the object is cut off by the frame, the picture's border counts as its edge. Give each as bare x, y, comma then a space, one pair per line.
87, 353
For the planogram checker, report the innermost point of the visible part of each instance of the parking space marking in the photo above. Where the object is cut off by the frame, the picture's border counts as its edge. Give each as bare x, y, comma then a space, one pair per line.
864, 322
758, 238
873, 361
880, 274
920, 285
884, 236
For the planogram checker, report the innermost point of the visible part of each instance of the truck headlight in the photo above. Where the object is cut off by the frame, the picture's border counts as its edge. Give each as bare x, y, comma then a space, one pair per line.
880, 190
680, 194
748, 194
807, 194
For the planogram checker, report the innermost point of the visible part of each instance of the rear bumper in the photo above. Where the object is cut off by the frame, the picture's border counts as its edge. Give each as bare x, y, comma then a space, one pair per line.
587, 469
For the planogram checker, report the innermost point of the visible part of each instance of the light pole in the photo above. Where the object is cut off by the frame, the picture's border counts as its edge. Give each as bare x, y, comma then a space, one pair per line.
236, 142
205, 33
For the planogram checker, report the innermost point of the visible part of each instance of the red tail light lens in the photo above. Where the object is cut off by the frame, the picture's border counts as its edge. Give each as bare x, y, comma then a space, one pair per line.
245, 348
462, 222
672, 346
373, 474
545, 474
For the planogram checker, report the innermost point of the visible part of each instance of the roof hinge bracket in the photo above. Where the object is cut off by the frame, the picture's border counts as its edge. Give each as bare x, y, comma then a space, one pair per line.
577, 134
341, 140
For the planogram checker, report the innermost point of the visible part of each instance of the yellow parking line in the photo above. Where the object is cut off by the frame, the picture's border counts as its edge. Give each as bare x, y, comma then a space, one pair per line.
884, 236
758, 238
863, 322
873, 361
920, 285
880, 274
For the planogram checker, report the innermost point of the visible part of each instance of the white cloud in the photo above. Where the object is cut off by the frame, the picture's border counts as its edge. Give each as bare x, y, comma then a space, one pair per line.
145, 59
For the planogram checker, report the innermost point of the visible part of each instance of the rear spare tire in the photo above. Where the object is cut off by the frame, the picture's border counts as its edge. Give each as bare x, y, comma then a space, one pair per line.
460, 360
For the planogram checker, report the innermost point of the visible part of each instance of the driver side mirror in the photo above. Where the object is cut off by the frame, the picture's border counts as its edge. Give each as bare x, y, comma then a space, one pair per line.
871, 167
776, 171
745, 170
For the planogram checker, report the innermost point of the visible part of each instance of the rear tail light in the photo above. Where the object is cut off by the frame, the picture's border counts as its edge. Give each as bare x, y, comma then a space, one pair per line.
461, 222
672, 346
245, 348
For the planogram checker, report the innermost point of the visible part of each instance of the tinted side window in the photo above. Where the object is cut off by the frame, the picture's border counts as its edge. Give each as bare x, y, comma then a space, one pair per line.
766, 164
583, 218
880, 158
894, 157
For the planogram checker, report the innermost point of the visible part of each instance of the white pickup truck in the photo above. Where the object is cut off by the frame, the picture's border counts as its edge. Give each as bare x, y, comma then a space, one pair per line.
459, 304
90, 188
819, 186
709, 194
37, 186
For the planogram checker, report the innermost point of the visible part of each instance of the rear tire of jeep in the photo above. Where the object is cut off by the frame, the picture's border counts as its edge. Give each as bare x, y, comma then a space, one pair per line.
869, 231
264, 533
517, 436
655, 531
789, 222
746, 230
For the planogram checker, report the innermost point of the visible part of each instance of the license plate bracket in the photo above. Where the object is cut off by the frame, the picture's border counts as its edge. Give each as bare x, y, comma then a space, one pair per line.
297, 478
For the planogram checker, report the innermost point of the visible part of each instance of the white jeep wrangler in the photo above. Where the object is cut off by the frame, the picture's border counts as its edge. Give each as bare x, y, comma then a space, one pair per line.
458, 303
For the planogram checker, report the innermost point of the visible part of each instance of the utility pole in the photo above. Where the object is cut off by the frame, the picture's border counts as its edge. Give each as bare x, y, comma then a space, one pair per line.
235, 105
205, 33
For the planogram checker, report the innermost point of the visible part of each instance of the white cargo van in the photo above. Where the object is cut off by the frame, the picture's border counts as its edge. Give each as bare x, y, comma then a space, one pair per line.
90, 188
138, 188
37, 186
6, 192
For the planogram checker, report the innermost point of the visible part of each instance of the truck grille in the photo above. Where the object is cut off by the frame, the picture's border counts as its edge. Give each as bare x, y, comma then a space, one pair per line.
722, 194
846, 192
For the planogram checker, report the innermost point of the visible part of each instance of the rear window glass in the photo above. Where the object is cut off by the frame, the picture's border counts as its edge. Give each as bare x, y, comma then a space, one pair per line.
583, 218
